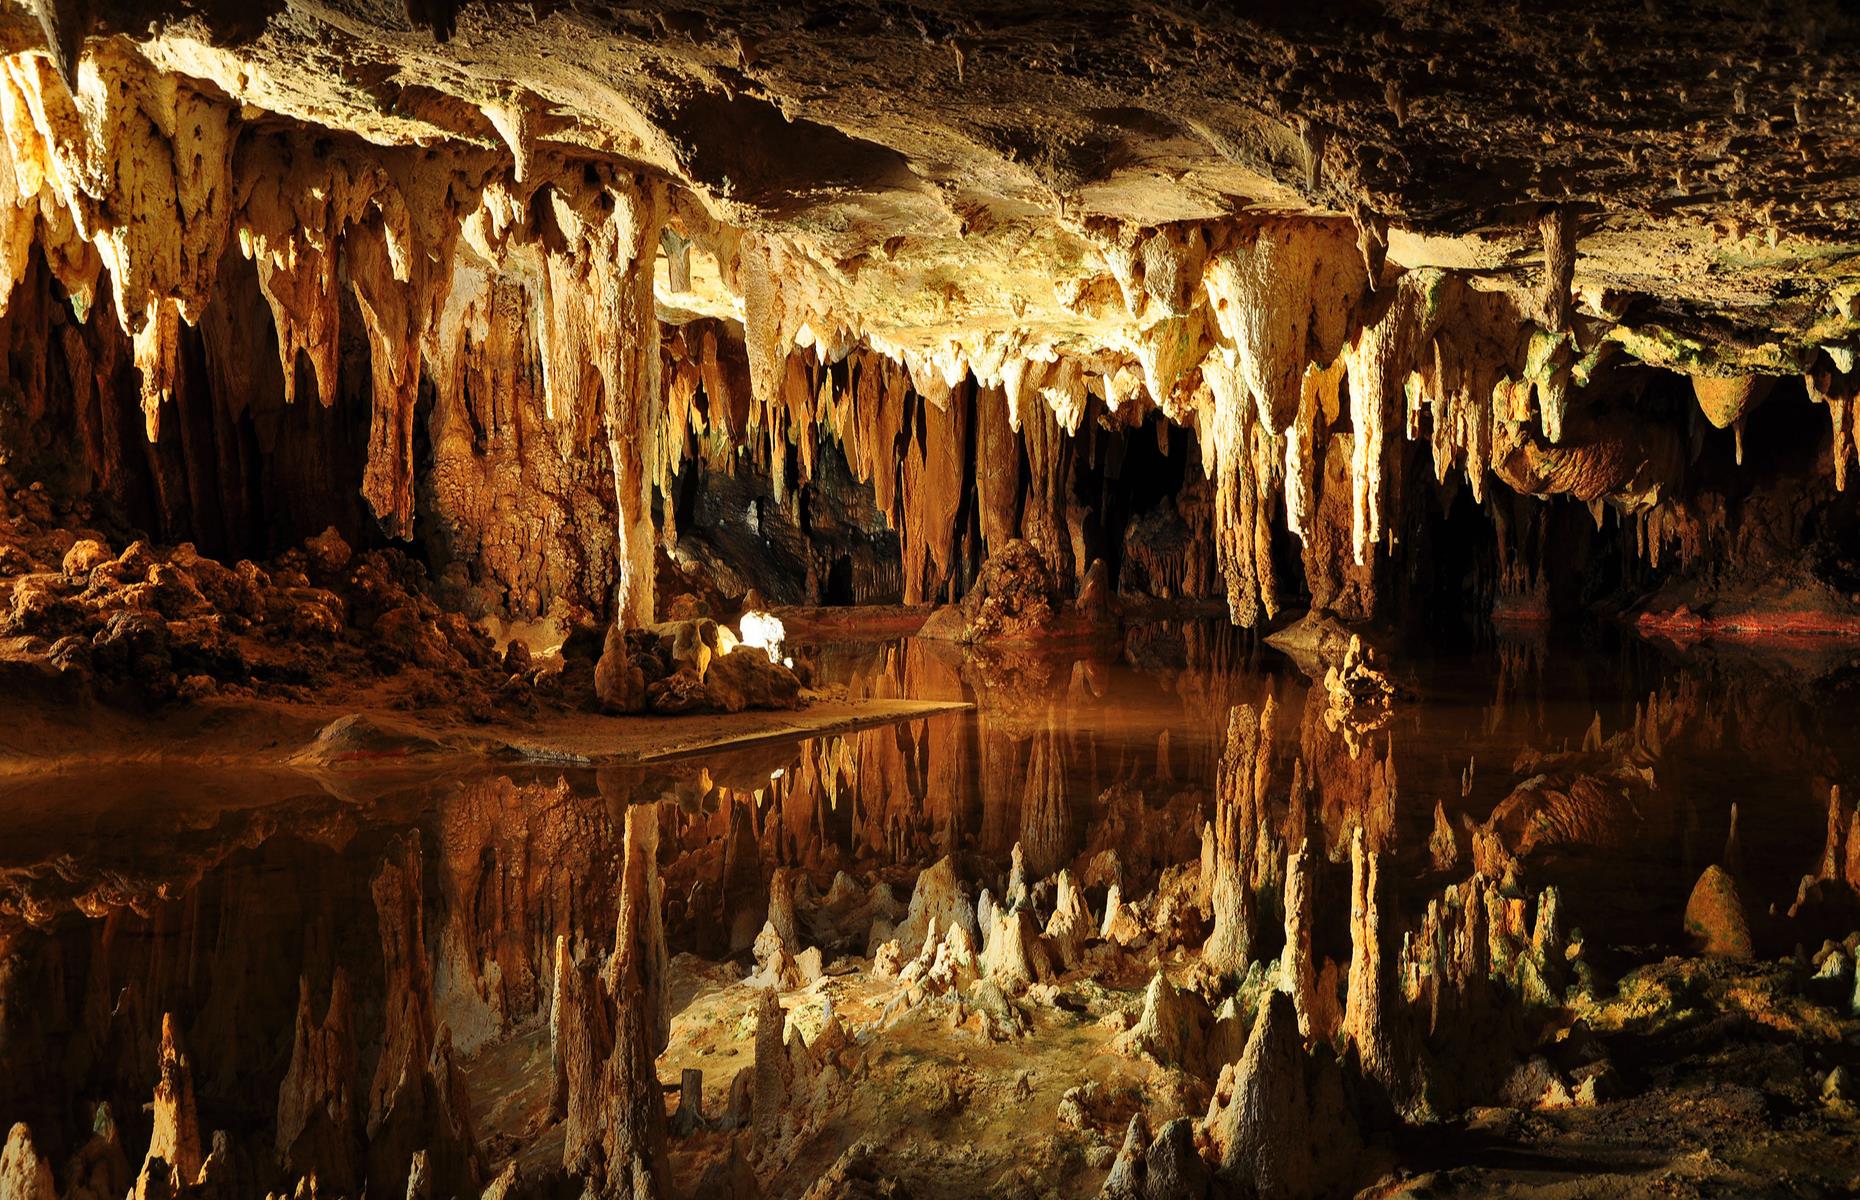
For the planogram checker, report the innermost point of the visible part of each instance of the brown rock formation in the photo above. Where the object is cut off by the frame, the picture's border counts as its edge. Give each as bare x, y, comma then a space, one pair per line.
1230, 840
613, 1025
1297, 965
318, 1128
1369, 1024
1716, 921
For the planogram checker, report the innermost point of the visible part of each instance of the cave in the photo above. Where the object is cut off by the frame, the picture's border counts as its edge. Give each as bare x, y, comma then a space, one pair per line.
915, 600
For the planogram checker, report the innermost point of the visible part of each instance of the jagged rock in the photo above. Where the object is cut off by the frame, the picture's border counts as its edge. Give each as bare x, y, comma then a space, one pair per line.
327, 553
1013, 598
508, 1185
85, 555
1839, 1088
226, 1174
1537, 1084
1000, 1018
1120, 926
729, 1178
775, 965
1173, 1028
23, 1174
745, 678
1070, 926
936, 901
1715, 917
1279, 1124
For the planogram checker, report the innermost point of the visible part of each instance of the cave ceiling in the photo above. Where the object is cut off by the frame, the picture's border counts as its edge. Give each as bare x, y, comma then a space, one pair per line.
942, 170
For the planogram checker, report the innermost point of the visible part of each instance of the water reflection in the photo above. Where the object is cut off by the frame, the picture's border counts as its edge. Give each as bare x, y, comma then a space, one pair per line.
358, 967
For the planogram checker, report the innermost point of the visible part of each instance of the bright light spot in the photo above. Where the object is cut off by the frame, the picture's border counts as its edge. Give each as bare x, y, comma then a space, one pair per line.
764, 631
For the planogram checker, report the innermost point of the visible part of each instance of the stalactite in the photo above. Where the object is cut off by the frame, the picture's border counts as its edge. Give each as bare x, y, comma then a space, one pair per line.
1837, 391
1230, 841
1379, 361
1282, 298
997, 467
1366, 1019
141, 163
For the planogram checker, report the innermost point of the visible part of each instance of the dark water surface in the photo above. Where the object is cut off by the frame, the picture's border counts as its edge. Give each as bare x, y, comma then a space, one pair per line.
226, 898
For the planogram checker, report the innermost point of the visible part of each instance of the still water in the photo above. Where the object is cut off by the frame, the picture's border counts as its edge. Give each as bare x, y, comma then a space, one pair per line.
234, 900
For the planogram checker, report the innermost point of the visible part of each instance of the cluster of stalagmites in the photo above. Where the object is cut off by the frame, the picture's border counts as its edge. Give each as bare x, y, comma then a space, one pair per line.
1300, 1066
1297, 354
405, 1129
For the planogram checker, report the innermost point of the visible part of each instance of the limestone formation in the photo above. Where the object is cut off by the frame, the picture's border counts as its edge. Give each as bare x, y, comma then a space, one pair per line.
1365, 1017
23, 1174
1070, 926
937, 902
613, 1020
1229, 842
317, 1122
1172, 1029
1716, 920
1297, 965
1279, 1124
1017, 956
423, 406
175, 1154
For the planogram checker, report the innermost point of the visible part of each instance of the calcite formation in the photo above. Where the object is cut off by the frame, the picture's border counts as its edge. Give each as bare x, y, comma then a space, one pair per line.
392, 386
567, 296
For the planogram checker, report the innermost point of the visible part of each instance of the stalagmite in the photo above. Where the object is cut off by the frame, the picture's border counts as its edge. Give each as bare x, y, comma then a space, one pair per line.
1715, 919
317, 1125
1070, 925
1279, 1124
172, 1163
773, 1073
1172, 1028
23, 1174
1016, 956
937, 902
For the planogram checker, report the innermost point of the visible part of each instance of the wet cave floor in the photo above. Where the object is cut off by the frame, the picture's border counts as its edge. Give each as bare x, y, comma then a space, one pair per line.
1563, 916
